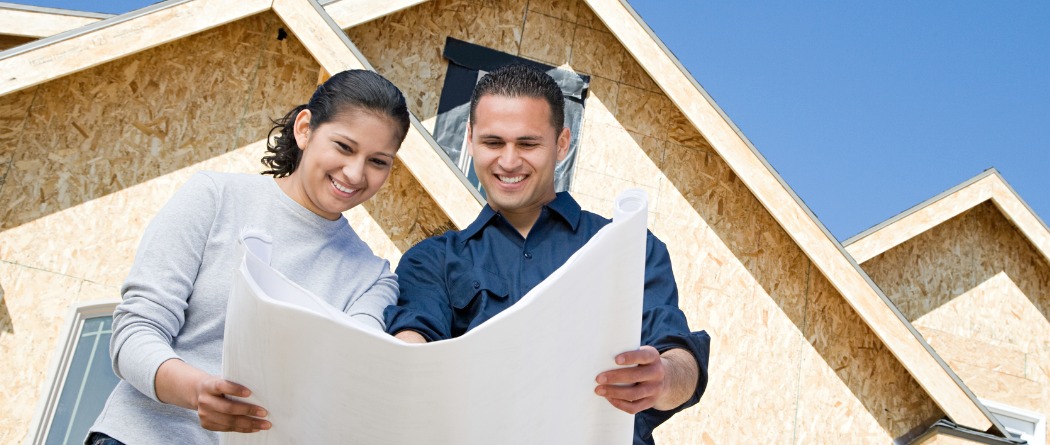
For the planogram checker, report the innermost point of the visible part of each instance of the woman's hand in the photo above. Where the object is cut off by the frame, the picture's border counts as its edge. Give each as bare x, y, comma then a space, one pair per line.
218, 413
183, 385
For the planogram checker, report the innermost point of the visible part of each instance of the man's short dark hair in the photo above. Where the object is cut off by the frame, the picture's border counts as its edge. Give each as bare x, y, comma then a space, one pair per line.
519, 80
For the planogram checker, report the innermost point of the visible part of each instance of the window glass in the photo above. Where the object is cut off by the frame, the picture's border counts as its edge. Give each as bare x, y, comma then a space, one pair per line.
87, 383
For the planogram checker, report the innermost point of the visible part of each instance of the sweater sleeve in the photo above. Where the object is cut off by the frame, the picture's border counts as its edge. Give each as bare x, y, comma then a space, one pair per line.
156, 292
369, 308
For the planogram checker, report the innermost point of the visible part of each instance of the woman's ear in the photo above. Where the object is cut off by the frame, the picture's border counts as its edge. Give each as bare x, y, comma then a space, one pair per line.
301, 128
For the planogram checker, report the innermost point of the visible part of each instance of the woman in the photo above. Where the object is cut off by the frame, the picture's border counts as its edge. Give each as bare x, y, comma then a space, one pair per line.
330, 155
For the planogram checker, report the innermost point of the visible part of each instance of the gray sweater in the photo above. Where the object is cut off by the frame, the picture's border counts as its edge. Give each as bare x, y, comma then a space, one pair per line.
174, 299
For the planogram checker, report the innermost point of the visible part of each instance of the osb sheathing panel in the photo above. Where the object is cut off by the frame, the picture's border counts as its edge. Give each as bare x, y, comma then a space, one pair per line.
104, 129
740, 275
12, 120
980, 292
408, 214
993, 357
37, 305
865, 366
970, 265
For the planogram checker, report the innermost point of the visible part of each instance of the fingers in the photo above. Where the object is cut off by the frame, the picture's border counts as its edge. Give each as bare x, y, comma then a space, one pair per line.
218, 413
643, 356
636, 388
632, 398
220, 387
634, 407
628, 376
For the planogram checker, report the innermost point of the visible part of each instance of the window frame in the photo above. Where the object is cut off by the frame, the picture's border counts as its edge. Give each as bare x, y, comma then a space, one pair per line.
61, 359
1039, 420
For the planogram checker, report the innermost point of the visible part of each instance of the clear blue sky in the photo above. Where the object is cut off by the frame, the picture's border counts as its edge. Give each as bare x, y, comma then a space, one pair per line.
865, 108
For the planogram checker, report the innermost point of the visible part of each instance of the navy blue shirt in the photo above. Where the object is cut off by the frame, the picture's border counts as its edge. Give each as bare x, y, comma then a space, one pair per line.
452, 283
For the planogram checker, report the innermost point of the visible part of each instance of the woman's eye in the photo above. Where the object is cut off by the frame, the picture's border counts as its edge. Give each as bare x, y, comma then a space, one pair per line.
344, 147
380, 162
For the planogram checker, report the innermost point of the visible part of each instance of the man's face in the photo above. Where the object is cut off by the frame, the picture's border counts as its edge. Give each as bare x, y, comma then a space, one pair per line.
515, 149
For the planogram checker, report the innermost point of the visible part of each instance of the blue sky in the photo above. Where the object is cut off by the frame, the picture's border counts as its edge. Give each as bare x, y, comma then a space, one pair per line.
864, 108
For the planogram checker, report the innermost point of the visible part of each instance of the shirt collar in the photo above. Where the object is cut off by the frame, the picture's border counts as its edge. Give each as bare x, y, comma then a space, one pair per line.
563, 205
567, 208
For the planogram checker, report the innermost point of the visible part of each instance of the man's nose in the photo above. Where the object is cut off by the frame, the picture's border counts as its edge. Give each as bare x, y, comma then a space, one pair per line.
509, 158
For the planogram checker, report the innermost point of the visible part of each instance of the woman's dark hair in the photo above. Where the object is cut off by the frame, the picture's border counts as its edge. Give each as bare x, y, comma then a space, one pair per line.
347, 91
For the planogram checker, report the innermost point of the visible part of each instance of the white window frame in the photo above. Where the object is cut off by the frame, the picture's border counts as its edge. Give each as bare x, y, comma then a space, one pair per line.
1001, 409
60, 361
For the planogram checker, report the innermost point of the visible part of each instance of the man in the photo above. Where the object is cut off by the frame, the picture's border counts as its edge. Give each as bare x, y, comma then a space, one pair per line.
454, 282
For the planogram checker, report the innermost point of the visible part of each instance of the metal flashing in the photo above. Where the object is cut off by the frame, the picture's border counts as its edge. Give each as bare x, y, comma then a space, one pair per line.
950, 428
921, 205
57, 11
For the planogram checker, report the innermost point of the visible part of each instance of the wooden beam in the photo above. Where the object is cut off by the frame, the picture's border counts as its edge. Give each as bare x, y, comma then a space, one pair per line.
120, 39
323, 75
40, 22
333, 50
824, 251
985, 187
350, 13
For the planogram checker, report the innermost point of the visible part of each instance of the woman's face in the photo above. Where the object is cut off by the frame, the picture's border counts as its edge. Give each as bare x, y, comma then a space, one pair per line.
345, 161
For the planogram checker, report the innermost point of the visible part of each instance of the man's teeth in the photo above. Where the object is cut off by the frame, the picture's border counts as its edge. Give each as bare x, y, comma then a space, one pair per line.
511, 179
341, 188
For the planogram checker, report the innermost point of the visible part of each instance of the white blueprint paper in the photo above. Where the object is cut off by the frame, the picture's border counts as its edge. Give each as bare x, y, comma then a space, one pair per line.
526, 376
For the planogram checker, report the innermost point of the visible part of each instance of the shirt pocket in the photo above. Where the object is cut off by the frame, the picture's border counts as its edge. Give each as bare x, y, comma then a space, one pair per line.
478, 295
476, 283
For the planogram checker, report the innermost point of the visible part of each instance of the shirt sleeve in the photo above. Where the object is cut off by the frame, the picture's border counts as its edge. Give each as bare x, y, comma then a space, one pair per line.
156, 292
664, 327
369, 307
424, 305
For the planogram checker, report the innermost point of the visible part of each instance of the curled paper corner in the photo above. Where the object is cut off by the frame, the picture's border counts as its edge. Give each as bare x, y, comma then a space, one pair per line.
257, 242
632, 200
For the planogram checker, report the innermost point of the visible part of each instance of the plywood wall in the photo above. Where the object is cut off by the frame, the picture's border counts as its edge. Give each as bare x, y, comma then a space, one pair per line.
788, 352
980, 294
86, 161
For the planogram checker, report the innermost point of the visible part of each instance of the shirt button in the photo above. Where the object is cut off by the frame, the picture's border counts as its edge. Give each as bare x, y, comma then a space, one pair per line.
476, 284
528, 256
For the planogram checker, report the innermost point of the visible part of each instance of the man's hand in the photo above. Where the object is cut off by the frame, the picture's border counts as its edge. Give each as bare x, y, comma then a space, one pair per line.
180, 384
410, 337
661, 381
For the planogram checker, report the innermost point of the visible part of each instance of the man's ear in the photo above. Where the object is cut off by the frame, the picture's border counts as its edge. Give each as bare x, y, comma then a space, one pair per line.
301, 128
470, 139
563, 143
